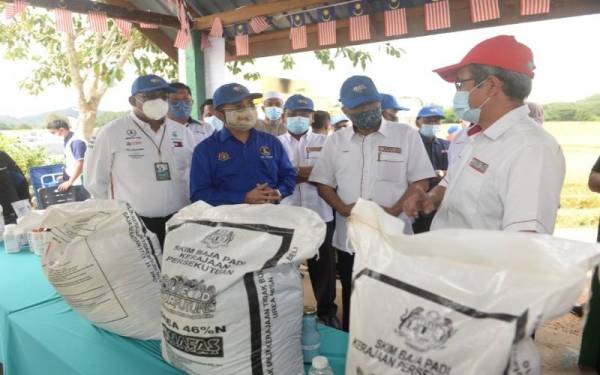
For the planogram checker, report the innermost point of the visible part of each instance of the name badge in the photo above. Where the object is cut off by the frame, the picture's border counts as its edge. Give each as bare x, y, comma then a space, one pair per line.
162, 171
388, 150
312, 149
478, 165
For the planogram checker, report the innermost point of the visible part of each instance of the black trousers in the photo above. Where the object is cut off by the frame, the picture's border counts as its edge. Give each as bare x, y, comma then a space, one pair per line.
345, 262
156, 225
322, 275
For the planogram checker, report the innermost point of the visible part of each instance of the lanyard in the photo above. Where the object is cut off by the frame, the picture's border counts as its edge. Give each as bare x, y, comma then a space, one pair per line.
152, 140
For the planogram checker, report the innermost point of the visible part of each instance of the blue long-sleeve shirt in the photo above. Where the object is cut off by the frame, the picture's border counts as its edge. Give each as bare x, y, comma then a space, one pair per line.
225, 169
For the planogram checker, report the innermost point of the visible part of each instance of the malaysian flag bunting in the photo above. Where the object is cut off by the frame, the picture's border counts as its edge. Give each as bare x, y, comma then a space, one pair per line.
183, 39
64, 20
204, 41
98, 22
14, 8
484, 10
216, 30
298, 31
394, 18
359, 21
124, 27
326, 28
259, 24
242, 44
531, 7
148, 26
437, 15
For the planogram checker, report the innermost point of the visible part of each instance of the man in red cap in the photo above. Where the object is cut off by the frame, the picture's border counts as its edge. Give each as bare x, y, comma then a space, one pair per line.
510, 173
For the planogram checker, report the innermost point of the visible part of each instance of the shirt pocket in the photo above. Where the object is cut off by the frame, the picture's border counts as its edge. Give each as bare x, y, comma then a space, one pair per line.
312, 156
391, 167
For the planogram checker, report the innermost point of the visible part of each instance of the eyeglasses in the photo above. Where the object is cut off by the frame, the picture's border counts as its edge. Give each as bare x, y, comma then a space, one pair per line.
460, 83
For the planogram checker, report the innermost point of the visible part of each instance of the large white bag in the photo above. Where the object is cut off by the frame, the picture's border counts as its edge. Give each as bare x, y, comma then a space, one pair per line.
231, 291
106, 265
455, 301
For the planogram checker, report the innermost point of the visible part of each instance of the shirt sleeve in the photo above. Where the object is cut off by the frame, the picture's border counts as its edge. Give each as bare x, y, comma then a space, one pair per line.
78, 148
202, 187
596, 167
286, 173
323, 172
418, 164
98, 164
531, 189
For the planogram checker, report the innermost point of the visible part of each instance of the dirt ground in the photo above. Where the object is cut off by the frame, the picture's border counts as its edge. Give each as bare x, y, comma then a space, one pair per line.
558, 341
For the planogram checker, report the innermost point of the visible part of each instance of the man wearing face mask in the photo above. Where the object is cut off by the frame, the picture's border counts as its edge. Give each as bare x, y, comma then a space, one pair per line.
240, 164
321, 123
428, 122
303, 147
390, 107
208, 115
510, 173
375, 159
273, 109
180, 109
74, 151
143, 158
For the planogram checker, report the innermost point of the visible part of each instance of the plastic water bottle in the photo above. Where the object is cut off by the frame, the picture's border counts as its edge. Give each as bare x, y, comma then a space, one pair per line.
320, 366
1, 223
12, 241
311, 339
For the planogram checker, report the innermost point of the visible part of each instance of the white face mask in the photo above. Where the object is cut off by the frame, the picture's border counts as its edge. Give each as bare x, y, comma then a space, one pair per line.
241, 119
155, 109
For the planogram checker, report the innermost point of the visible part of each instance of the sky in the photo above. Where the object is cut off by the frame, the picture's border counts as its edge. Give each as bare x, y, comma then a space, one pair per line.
564, 52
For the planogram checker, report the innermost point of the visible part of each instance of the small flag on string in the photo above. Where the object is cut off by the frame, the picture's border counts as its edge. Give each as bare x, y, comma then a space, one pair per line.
242, 43
204, 41
14, 8
148, 26
298, 31
394, 18
326, 28
437, 15
183, 39
124, 27
484, 10
98, 22
64, 20
531, 7
216, 29
359, 21
259, 24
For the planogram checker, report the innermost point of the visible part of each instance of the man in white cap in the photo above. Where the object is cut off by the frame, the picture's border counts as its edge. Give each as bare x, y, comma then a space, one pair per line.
273, 109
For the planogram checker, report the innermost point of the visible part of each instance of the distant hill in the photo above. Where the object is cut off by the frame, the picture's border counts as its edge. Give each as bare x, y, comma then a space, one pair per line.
35, 121
587, 109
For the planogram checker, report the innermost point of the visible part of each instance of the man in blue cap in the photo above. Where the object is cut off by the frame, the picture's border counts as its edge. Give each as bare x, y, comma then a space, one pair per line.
240, 164
390, 107
143, 158
180, 110
428, 122
303, 147
375, 159
339, 122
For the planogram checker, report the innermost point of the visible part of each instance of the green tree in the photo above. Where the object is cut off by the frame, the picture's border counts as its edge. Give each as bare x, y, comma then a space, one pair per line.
24, 156
89, 63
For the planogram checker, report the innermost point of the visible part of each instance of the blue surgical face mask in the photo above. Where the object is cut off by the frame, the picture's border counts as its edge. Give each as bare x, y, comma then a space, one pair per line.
215, 122
366, 120
180, 108
462, 108
273, 113
428, 130
297, 124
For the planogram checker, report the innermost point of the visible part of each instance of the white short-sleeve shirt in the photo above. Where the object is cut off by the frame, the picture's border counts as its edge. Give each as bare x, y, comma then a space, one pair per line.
200, 130
304, 153
508, 177
120, 164
377, 167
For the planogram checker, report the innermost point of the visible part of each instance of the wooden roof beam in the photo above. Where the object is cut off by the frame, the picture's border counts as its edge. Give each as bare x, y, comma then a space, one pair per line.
245, 13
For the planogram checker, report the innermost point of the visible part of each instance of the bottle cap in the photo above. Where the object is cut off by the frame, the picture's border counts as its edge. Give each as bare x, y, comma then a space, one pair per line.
310, 310
320, 362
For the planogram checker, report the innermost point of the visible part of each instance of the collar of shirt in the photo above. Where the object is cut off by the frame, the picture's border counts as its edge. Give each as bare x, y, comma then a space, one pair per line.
191, 121
225, 134
384, 129
290, 138
504, 123
68, 137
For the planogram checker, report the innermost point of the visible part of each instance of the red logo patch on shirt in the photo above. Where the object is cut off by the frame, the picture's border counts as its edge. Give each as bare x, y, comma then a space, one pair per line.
478, 165
177, 144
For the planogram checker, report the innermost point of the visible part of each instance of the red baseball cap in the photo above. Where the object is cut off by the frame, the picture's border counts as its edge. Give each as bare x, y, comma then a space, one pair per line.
502, 51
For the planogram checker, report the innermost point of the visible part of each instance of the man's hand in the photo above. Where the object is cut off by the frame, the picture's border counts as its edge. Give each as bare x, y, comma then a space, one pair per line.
392, 211
418, 201
65, 186
346, 209
262, 193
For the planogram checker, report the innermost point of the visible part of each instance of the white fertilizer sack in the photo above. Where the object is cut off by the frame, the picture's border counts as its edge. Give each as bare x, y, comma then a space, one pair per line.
232, 298
455, 302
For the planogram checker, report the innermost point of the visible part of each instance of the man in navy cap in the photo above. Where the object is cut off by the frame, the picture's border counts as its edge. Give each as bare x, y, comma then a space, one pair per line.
428, 122
142, 158
303, 147
240, 164
390, 107
375, 159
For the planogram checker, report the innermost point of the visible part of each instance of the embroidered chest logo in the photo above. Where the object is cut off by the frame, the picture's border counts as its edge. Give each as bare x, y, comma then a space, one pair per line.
223, 156
265, 151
